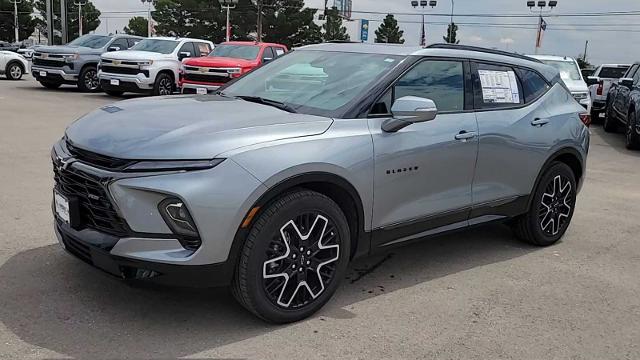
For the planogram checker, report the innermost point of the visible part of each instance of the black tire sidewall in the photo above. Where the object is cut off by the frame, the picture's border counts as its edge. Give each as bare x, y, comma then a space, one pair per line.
634, 141
556, 168
264, 307
81, 79
156, 85
8, 71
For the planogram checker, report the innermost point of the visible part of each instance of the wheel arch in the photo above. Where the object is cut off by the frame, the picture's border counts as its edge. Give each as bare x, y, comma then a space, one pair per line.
11, 62
87, 64
569, 156
169, 72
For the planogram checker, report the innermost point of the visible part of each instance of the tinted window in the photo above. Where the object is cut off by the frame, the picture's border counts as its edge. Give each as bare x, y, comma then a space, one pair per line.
203, 49
155, 45
91, 41
132, 41
247, 52
440, 81
496, 87
608, 72
268, 54
121, 44
533, 85
188, 47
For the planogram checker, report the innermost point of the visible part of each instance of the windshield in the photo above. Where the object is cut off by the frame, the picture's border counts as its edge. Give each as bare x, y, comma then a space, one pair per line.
314, 82
156, 46
247, 52
610, 72
568, 69
91, 41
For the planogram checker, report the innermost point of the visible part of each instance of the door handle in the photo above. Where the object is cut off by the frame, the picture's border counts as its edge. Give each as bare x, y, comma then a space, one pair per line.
539, 122
465, 135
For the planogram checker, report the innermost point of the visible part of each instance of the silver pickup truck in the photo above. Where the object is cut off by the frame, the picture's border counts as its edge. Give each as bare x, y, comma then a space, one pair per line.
76, 62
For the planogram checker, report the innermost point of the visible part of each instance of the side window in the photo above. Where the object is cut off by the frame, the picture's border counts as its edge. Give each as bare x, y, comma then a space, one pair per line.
533, 85
440, 81
636, 78
496, 87
188, 47
631, 72
383, 106
132, 41
121, 43
268, 54
279, 51
203, 49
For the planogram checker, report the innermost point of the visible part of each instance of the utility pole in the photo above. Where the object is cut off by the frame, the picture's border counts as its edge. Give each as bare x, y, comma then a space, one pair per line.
15, 18
149, 27
451, 25
228, 5
63, 21
49, 10
260, 5
584, 55
79, 4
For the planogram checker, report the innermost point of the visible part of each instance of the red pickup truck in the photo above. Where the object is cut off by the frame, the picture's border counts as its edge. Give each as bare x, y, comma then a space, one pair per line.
226, 62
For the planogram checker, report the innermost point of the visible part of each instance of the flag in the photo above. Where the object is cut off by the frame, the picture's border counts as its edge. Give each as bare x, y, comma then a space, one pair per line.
541, 29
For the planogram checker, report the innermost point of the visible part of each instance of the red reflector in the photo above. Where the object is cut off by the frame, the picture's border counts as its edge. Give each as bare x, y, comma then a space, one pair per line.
600, 88
586, 119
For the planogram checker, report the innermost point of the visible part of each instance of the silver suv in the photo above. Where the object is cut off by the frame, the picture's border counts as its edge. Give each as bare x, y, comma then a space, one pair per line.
332, 152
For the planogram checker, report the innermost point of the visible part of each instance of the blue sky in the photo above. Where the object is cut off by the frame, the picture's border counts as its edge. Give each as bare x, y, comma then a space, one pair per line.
565, 35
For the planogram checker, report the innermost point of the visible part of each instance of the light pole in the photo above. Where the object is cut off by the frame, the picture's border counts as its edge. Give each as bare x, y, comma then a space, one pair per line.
149, 27
451, 25
423, 4
15, 18
79, 4
541, 24
228, 5
259, 4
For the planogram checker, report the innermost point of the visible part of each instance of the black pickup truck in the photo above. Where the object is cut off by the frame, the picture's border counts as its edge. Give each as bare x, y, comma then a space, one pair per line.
623, 107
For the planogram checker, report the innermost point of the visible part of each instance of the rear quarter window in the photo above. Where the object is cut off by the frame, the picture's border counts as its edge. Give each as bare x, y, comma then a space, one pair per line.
533, 85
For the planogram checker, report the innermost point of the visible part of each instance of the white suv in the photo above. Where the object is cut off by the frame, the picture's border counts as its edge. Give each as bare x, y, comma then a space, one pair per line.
150, 66
571, 76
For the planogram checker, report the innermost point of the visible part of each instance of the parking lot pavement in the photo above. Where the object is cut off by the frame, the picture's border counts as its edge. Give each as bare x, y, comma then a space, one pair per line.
479, 294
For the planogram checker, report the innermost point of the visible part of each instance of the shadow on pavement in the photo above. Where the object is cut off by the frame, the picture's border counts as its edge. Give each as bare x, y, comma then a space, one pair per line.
615, 140
54, 301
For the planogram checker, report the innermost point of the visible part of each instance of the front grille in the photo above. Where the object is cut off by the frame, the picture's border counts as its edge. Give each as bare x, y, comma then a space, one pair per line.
48, 63
97, 160
206, 78
96, 210
123, 70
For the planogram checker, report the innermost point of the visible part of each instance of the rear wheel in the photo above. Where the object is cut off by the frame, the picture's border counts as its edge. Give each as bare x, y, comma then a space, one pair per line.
164, 85
551, 207
610, 124
14, 71
294, 258
50, 84
88, 80
632, 132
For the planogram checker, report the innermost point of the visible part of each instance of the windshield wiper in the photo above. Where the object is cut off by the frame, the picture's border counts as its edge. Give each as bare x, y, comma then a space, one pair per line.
274, 103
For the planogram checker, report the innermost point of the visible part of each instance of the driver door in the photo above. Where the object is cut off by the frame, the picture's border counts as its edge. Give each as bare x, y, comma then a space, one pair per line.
424, 172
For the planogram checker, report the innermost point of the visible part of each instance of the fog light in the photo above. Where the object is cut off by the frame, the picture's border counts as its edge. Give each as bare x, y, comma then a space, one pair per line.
177, 216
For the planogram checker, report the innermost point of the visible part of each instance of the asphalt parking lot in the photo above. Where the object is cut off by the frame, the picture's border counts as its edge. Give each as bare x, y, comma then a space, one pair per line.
479, 294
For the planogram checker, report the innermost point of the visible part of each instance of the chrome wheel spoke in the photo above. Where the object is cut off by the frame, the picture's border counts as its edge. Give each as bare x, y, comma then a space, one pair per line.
555, 205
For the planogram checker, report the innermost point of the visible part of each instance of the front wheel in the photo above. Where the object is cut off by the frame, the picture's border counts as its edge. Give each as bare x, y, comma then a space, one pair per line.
632, 133
14, 71
610, 124
551, 208
164, 85
88, 80
293, 258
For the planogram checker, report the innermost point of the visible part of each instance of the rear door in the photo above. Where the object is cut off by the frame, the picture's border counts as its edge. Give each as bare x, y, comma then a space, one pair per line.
515, 135
621, 102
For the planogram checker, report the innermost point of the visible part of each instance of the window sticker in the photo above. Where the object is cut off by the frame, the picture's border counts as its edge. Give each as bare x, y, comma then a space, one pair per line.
499, 87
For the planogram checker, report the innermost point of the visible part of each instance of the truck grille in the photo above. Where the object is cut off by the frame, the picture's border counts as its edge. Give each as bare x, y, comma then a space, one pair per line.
96, 210
48, 63
97, 160
206, 78
123, 70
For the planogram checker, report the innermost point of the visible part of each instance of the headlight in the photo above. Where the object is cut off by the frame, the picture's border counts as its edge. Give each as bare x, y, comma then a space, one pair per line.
234, 71
70, 57
177, 216
173, 165
145, 63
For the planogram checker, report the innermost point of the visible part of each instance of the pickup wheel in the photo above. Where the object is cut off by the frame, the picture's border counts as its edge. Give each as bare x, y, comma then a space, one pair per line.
164, 85
50, 84
632, 134
610, 124
88, 80
14, 71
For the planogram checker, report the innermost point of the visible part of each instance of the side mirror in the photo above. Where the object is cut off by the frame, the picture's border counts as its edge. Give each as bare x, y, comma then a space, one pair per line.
408, 110
592, 80
184, 55
628, 82
113, 48
266, 60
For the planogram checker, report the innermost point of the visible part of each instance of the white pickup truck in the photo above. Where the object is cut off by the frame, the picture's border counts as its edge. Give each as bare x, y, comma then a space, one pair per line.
600, 82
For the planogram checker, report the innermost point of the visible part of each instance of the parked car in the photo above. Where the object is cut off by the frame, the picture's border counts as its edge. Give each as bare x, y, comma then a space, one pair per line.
27, 52
599, 84
13, 65
570, 74
271, 190
151, 66
228, 61
76, 63
5, 46
623, 107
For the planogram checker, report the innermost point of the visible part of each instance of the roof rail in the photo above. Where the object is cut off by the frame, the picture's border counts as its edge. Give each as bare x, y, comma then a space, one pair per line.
481, 49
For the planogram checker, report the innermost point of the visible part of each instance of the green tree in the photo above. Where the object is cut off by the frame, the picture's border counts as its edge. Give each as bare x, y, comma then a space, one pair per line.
582, 62
138, 25
333, 29
193, 18
288, 22
26, 24
452, 32
389, 31
90, 18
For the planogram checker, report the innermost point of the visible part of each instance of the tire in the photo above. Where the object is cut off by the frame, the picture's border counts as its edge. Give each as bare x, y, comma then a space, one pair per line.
88, 80
632, 138
595, 116
50, 85
115, 93
610, 124
14, 71
551, 208
260, 283
164, 85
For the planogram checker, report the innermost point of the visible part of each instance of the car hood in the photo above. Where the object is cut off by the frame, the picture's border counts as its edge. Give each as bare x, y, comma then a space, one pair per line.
135, 55
576, 85
186, 127
66, 49
213, 61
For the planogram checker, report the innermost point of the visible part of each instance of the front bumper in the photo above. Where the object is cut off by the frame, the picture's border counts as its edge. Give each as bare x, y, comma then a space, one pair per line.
188, 88
53, 74
132, 83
